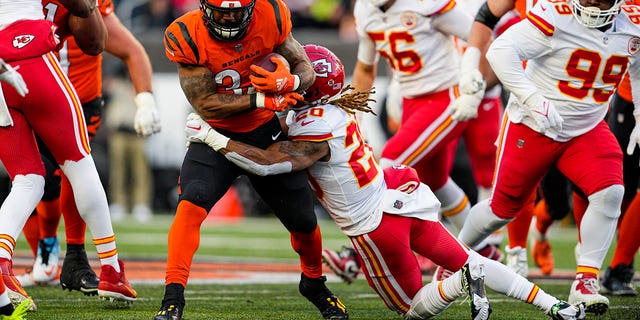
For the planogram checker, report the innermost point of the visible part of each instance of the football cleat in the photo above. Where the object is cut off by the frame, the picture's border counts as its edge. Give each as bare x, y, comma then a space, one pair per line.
343, 263
46, 266
564, 311
114, 285
543, 256
585, 290
16, 292
617, 281
169, 312
77, 273
172, 303
20, 311
330, 306
26, 279
473, 283
517, 260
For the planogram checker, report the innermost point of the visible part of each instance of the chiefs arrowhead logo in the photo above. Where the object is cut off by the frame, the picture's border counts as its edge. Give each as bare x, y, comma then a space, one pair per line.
322, 68
22, 40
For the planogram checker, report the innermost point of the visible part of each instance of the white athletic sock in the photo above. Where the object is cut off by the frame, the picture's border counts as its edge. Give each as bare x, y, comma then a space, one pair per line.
454, 203
92, 204
26, 192
480, 224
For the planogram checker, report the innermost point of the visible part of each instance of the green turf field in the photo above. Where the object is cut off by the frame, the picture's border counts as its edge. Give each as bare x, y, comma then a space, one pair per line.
264, 240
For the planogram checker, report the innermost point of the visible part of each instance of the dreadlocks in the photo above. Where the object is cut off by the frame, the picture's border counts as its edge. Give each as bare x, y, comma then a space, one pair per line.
352, 101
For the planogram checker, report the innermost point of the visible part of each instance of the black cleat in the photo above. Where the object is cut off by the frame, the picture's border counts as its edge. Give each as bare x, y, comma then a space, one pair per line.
474, 285
169, 312
172, 303
617, 281
329, 305
77, 273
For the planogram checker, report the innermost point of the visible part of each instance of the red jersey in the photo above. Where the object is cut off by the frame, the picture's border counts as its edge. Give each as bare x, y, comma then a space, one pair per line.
187, 41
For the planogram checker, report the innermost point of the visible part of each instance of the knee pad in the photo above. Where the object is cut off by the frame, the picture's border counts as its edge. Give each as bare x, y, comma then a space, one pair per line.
608, 200
199, 192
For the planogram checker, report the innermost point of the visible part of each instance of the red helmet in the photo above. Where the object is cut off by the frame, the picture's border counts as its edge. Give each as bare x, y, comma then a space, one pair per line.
216, 15
329, 73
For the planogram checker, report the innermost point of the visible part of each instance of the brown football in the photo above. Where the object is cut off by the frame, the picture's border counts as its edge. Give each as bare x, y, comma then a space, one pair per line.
265, 62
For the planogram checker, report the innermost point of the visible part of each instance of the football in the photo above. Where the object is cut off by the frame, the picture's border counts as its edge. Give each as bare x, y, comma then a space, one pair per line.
265, 62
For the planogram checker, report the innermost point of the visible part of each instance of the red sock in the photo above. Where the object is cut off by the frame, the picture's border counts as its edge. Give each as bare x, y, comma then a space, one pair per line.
518, 229
74, 226
309, 248
31, 232
628, 235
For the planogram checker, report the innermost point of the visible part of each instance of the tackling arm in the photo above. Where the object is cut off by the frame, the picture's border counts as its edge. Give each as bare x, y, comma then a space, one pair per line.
281, 157
80, 8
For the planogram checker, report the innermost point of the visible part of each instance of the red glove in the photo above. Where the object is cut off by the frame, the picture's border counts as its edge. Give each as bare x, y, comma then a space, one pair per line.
275, 102
278, 81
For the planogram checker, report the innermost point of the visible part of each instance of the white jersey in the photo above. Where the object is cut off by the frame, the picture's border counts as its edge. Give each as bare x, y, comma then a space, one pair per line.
14, 10
575, 67
421, 53
351, 184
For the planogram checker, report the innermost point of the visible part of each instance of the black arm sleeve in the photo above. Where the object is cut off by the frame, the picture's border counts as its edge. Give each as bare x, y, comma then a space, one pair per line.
485, 16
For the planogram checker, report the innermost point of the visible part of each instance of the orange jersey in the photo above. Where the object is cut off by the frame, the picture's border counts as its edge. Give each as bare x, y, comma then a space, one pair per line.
523, 6
187, 41
84, 71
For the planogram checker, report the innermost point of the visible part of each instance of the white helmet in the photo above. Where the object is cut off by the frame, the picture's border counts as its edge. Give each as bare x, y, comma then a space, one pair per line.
593, 17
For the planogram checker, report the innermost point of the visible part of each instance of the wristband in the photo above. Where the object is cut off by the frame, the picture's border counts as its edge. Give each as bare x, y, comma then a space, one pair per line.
296, 82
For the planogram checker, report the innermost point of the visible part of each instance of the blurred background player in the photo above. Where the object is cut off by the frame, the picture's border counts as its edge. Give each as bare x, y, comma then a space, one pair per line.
214, 49
85, 73
387, 215
541, 115
55, 103
416, 42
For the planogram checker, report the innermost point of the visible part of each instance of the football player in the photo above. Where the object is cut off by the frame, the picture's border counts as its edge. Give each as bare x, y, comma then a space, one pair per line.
416, 41
53, 114
214, 49
387, 214
85, 73
577, 52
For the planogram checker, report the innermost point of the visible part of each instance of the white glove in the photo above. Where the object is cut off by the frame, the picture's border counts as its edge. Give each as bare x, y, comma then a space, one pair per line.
198, 130
634, 138
147, 121
543, 112
12, 77
472, 86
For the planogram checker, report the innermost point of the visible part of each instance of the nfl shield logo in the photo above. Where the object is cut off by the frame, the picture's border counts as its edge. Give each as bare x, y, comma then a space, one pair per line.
398, 204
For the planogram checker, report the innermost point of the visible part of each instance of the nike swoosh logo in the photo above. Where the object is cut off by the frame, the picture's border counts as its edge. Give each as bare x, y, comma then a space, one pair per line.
195, 128
304, 123
543, 8
274, 137
49, 272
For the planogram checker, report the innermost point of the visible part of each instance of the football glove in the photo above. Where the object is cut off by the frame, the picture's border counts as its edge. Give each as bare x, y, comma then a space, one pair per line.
12, 77
634, 138
472, 86
147, 121
543, 112
275, 102
198, 130
278, 81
